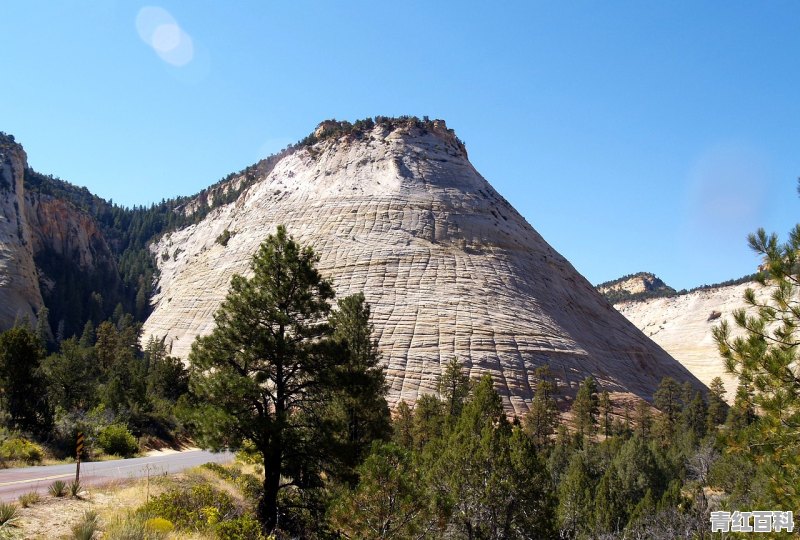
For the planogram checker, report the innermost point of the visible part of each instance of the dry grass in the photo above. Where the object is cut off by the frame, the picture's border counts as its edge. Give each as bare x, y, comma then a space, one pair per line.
53, 518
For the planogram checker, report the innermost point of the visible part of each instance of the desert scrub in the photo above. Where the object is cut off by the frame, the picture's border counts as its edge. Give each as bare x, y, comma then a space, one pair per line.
29, 499
249, 485
87, 527
9, 514
133, 527
19, 449
245, 527
57, 488
159, 525
193, 508
74, 488
117, 440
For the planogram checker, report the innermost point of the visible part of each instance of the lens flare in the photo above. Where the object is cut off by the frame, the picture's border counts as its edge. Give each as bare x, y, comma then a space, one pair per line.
161, 32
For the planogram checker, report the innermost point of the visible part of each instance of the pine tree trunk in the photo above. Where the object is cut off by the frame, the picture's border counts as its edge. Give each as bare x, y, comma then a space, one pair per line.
268, 507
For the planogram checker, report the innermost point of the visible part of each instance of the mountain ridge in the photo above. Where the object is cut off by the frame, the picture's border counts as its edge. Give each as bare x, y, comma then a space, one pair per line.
450, 268
395, 209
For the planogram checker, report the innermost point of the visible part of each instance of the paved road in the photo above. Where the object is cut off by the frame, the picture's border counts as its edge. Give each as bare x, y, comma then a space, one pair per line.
15, 482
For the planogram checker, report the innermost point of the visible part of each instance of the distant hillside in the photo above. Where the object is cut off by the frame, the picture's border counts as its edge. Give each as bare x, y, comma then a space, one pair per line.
639, 286
646, 286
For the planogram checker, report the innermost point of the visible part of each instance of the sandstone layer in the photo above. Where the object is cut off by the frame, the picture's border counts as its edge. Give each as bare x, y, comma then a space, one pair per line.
33, 224
448, 265
682, 326
20, 296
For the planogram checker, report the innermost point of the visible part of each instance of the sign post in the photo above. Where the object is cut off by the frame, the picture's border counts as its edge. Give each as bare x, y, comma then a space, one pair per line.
78, 452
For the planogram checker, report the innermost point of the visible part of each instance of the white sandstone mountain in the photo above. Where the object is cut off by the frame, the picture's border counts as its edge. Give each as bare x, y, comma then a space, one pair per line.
682, 326
449, 267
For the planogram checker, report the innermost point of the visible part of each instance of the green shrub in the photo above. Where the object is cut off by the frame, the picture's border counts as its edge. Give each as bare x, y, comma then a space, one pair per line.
159, 525
57, 488
245, 527
116, 439
86, 528
132, 527
191, 508
29, 499
249, 485
19, 449
9, 514
74, 488
223, 238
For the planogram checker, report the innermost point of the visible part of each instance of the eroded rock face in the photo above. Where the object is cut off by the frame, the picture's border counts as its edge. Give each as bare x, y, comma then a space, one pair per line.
448, 265
32, 224
58, 226
20, 296
682, 325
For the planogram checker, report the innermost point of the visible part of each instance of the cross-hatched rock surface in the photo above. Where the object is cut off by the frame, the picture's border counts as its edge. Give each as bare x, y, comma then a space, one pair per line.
448, 266
683, 326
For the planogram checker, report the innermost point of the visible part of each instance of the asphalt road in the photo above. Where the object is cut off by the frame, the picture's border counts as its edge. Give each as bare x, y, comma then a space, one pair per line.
15, 482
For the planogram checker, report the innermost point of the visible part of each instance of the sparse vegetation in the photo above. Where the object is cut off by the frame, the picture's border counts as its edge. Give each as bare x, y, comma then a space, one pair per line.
58, 488
223, 238
87, 528
29, 499
9, 514
74, 488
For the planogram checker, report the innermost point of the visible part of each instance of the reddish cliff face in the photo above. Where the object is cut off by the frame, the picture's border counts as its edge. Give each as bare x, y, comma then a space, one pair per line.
58, 226
448, 265
30, 224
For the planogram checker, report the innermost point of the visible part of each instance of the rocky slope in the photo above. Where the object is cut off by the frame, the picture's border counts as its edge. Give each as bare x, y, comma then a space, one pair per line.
634, 286
449, 267
35, 227
682, 325
20, 296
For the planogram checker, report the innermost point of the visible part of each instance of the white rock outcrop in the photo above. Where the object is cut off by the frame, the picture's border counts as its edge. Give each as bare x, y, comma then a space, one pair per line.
682, 326
448, 266
20, 296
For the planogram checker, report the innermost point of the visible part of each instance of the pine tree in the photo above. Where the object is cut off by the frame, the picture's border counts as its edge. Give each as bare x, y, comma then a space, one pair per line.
403, 426
694, 416
767, 357
585, 408
453, 385
643, 420
491, 474
389, 501
24, 387
542, 418
575, 497
72, 376
429, 420
263, 374
605, 409
667, 399
358, 412
717, 408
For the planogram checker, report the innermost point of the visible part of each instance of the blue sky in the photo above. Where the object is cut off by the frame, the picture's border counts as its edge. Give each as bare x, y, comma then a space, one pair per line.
632, 135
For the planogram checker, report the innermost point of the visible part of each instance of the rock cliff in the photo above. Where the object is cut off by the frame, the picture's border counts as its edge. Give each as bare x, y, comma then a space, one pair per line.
20, 296
682, 325
40, 228
397, 211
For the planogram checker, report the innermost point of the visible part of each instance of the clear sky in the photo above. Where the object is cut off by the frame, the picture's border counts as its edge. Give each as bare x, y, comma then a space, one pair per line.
634, 136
